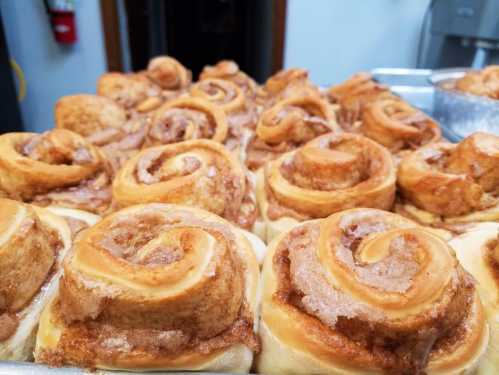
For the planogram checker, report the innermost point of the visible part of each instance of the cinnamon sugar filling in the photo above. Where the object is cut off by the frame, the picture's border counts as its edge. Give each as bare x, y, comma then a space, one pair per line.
401, 346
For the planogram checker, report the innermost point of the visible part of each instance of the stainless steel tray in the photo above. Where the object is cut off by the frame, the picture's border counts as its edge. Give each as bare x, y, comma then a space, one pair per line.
459, 114
27, 368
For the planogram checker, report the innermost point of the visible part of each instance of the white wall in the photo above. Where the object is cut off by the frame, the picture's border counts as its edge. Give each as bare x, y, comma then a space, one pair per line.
336, 38
51, 69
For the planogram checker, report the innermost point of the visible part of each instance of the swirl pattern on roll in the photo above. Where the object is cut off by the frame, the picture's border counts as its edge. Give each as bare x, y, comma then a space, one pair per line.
329, 174
185, 119
229, 70
353, 95
223, 93
286, 84
55, 167
398, 126
128, 90
241, 112
459, 182
168, 73
287, 125
367, 291
199, 173
154, 287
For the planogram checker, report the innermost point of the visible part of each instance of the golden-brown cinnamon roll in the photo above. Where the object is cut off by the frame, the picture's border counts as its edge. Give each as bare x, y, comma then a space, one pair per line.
229, 70
56, 167
329, 174
241, 113
482, 83
155, 287
398, 126
225, 94
199, 173
87, 114
286, 84
452, 185
287, 125
353, 95
185, 119
478, 252
368, 292
128, 90
33, 242
168, 73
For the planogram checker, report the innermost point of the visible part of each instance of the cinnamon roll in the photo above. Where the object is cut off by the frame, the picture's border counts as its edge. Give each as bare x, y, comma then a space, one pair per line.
56, 167
286, 84
398, 126
198, 173
287, 125
452, 185
168, 73
242, 114
33, 242
478, 252
228, 70
130, 90
87, 114
368, 292
185, 119
353, 95
329, 174
225, 94
155, 287
481, 83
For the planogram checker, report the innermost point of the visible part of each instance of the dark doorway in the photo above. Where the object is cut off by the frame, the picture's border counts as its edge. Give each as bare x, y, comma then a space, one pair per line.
9, 108
200, 32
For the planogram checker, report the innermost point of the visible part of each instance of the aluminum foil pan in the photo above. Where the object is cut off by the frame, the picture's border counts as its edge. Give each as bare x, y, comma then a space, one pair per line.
463, 113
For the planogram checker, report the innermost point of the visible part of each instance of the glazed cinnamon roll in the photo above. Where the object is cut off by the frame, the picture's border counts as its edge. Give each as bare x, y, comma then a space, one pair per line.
168, 73
33, 242
287, 125
185, 119
199, 173
368, 292
398, 126
130, 90
353, 95
478, 252
87, 114
155, 287
452, 185
481, 83
56, 167
329, 174
228, 70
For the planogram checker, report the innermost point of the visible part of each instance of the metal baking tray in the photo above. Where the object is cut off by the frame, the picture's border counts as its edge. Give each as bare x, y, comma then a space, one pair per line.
459, 114
28, 368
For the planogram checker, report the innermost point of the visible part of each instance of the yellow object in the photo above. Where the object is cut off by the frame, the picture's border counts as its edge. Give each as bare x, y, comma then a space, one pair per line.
20, 79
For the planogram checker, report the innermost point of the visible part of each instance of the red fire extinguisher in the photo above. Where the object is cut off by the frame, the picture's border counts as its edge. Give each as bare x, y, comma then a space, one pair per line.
62, 19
